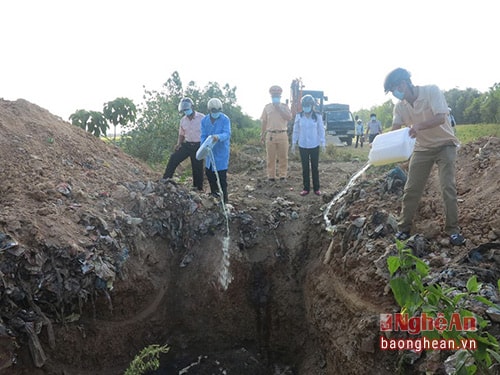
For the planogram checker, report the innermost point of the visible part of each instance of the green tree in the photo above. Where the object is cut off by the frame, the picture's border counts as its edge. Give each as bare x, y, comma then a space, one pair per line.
120, 111
490, 107
91, 121
459, 101
156, 128
80, 118
155, 131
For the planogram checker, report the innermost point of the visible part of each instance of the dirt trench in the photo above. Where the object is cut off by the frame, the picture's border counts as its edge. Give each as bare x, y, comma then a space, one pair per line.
284, 312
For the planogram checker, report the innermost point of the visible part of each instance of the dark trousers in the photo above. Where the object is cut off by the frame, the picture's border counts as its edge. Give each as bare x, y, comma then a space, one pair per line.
212, 180
371, 137
359, 138
310, 155
187, 150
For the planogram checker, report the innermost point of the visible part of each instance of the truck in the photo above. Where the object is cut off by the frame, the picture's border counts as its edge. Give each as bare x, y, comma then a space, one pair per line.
337, 118
339, 122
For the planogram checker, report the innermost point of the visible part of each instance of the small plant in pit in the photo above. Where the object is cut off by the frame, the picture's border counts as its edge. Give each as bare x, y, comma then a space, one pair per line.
147, 360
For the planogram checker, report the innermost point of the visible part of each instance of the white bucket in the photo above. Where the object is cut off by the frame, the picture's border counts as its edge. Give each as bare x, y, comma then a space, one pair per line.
391, 147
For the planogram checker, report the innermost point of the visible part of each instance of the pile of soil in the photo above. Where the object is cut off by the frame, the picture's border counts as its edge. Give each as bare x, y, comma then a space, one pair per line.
100, 258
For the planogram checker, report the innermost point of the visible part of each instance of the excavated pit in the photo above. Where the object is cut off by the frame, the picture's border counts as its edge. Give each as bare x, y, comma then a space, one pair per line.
110, 259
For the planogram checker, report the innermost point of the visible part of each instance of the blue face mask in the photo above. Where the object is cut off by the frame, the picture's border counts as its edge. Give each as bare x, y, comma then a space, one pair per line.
188, 112
398, 94
307, 109
275, 99
215, 115
373, 118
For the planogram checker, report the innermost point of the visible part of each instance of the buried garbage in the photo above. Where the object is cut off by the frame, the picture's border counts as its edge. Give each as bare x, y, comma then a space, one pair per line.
100, 258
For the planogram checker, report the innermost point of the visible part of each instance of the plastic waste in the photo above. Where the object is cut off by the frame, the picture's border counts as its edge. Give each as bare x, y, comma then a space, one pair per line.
205, 148
392, 147
7, 242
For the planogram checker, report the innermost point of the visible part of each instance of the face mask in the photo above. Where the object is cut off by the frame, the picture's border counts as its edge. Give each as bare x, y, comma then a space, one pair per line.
373, 118
188, 112
275, 99
307, 109
398, 94
215, 115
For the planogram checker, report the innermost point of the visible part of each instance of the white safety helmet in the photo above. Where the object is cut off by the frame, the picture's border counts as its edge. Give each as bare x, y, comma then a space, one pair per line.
214, 104
185, 103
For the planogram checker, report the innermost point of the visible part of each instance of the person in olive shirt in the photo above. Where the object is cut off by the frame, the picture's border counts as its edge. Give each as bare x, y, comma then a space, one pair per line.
425, 111
275, 118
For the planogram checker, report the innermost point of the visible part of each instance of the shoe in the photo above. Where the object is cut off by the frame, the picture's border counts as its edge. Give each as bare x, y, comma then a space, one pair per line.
282, 178
317, 192
271, 179
304, 192
403, 236
457, 239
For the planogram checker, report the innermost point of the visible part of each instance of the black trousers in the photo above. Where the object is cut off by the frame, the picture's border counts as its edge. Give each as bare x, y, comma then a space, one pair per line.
310, 155
212, 180
359, 138
371, 137
187, 150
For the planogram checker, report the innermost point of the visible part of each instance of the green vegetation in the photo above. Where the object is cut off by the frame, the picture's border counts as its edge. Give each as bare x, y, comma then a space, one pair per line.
147, 360
469, 133
155, 132
416, 294
120, 111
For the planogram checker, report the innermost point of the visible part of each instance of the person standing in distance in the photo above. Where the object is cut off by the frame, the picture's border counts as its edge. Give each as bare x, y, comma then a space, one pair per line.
275, 118
218, 125
425, 111
373, 128
309, 134
359, 131
188, 143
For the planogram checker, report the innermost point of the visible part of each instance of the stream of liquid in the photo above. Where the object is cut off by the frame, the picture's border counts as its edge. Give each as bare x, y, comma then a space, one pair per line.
225, 276
336, 198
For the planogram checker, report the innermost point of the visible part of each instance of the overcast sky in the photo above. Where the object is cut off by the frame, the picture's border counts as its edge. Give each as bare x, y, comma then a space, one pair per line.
65, 55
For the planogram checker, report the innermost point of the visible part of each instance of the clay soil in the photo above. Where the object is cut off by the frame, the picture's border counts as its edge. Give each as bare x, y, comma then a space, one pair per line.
111, 259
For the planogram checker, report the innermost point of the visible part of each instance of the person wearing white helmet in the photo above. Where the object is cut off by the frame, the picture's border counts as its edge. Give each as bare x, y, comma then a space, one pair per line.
309, 134
274, 119
359, 131
217, 125
424, 110
188, 143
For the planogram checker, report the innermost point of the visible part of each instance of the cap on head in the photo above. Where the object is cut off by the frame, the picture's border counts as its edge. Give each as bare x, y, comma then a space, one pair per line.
214, 103
185, 103
308, 100
275, 90
395, 77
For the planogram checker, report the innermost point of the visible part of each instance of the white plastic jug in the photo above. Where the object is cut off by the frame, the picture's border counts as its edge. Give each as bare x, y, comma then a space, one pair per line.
391, 147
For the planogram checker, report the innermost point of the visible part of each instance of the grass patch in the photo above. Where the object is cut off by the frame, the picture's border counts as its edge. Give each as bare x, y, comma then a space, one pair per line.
470, 133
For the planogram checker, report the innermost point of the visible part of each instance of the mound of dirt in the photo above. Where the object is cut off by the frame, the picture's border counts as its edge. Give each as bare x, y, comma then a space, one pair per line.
100, 258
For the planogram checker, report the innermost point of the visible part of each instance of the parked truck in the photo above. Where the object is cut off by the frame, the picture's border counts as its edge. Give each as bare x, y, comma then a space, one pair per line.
339, 122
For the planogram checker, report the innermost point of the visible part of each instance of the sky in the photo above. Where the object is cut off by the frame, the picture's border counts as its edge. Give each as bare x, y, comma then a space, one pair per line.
65, 55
